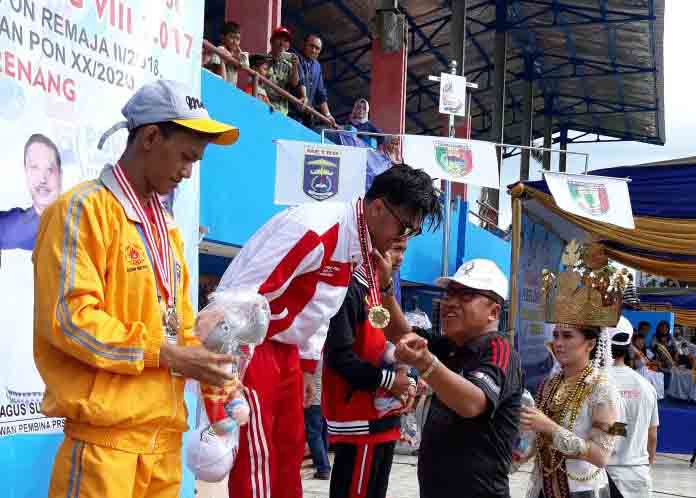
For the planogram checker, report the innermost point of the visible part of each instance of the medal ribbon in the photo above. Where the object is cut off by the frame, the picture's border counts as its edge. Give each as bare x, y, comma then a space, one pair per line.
161, 252
374, 299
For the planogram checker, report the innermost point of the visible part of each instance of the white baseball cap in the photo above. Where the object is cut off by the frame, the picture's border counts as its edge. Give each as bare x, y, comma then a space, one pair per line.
479, 274
622, 334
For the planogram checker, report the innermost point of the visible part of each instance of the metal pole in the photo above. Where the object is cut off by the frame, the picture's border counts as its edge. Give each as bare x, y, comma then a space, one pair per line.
447, 186
516, 243
564, 147
548, 137
527, 116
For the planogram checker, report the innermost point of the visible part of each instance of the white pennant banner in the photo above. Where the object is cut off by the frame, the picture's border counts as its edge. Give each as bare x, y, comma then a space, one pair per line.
599, 198
453, 159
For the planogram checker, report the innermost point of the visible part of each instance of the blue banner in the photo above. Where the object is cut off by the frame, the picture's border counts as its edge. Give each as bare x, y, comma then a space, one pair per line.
540, 249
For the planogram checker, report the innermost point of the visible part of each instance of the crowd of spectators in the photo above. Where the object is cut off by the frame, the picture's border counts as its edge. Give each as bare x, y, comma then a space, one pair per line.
663, 356
298, 72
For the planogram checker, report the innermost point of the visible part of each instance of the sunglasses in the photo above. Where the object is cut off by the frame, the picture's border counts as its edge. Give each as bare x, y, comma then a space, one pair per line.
407, 230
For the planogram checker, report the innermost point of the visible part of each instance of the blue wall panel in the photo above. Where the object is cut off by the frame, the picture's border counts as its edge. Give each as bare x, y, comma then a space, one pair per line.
423, 261
237, 182
480, 243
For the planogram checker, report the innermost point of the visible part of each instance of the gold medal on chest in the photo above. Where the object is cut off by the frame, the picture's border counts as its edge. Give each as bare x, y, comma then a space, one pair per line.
378, 316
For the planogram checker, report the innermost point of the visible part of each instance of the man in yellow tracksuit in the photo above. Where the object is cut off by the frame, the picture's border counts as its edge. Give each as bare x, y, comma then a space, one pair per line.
113, 322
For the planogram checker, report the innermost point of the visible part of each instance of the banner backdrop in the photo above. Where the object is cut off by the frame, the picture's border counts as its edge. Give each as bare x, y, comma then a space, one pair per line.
540, 249
66, 69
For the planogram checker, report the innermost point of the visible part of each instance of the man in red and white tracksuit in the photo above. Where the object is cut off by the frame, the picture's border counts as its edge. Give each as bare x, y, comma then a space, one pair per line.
301, 261
355, 374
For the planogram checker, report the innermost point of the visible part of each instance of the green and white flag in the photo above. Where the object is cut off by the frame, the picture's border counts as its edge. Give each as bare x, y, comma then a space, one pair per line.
453, 159
600, 198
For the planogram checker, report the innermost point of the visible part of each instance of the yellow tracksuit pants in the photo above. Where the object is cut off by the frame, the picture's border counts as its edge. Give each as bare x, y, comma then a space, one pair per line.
84, 470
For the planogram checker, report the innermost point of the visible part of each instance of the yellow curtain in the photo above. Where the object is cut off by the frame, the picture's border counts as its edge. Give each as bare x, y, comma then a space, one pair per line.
681, 316
651, 234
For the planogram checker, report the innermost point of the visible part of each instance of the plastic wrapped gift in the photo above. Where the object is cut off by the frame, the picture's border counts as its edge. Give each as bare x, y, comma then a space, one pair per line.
209, 455
234, 322
525, 440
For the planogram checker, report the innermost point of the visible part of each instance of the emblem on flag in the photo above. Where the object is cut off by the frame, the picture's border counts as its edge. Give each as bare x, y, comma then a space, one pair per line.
456, 159
591, 198
321, 170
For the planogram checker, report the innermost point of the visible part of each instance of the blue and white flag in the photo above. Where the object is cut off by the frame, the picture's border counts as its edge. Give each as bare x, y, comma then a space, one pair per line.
312, 172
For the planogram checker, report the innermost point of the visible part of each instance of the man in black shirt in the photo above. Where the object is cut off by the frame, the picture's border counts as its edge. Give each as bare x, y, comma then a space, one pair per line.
466, 445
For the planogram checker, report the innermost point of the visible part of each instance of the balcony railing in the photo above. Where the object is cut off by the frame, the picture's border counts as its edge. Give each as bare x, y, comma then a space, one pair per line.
256, 78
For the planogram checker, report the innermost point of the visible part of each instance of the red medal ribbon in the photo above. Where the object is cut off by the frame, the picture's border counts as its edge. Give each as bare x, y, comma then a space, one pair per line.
374, 298
160, 250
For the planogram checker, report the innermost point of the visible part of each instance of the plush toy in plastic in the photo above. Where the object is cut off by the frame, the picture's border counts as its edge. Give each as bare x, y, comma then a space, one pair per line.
234, 322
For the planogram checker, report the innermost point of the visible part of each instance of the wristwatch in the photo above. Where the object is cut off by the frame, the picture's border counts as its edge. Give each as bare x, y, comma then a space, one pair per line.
389, 289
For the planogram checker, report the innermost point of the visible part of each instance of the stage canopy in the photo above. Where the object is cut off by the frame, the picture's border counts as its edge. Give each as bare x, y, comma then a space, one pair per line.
664, 240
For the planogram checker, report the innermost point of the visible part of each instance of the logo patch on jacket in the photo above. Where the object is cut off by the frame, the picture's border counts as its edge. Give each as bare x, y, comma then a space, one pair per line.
135, 258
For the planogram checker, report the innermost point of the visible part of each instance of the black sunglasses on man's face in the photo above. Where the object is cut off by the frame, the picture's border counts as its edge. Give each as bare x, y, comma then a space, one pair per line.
407, 230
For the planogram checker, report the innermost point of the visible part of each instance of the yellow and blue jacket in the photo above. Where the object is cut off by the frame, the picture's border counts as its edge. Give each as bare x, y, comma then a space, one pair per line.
98, 325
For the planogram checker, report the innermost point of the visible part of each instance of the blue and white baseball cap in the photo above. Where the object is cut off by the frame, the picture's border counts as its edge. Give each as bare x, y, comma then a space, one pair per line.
166, 100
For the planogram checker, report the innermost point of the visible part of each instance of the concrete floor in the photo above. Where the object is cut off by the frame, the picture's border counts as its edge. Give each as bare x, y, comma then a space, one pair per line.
672, 477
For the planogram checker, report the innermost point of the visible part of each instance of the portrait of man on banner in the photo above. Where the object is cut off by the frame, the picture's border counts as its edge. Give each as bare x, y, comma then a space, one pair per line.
44, 177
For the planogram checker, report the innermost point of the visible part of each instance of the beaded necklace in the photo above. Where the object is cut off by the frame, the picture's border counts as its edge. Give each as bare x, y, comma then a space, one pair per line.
561, 409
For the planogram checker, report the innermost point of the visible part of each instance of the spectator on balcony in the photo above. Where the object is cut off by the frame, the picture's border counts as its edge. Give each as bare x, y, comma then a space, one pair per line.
360, 122
284, 69
207, 62
231, 38
391, 149
312, 89
259, 63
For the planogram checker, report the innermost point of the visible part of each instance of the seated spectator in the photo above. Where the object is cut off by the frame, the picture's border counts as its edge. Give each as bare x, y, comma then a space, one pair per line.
643, 362
662, 349
683, 349
283, 70
360, 121
231, 37
391, 149
259, 63
312, 89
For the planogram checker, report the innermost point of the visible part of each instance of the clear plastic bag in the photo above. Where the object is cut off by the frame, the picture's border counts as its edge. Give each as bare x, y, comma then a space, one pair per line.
234, 322
209, 455
525, 441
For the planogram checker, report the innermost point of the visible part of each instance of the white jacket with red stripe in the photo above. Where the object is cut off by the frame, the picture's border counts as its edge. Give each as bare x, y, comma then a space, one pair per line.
301, 260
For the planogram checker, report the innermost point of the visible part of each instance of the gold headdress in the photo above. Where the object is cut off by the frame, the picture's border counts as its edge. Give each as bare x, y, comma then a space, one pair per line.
588, 292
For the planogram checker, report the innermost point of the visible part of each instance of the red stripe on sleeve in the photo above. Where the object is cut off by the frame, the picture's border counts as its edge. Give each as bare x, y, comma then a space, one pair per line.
494, 345
506, 357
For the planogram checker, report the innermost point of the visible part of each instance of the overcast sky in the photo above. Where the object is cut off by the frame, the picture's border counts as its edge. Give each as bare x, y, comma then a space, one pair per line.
680, 112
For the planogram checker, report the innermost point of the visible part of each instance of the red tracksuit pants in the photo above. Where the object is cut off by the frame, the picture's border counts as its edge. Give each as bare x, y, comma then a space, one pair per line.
271, 445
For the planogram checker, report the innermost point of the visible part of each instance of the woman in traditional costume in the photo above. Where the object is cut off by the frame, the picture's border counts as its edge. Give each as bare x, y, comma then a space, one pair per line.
576, 406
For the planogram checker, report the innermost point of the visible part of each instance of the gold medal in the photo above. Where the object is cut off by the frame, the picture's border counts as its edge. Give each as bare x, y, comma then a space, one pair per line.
378, 316
171, 324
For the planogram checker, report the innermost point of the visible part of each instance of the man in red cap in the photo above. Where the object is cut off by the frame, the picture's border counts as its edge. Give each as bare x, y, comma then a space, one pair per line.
284, 68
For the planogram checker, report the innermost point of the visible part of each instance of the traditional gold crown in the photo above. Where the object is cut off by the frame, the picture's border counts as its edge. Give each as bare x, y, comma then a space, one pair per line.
588, 292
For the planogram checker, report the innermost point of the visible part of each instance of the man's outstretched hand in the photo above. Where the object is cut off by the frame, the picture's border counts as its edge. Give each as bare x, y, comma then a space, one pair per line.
198, 363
